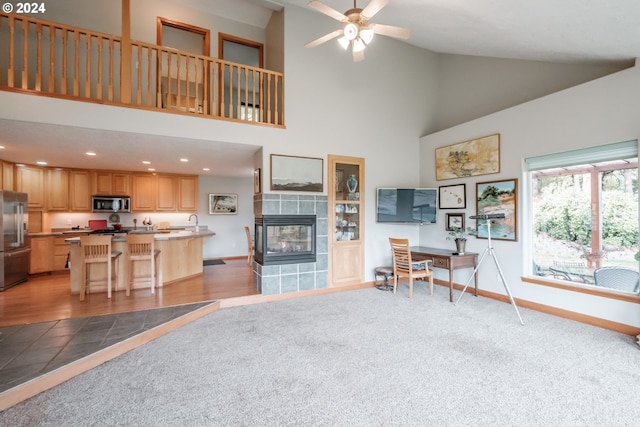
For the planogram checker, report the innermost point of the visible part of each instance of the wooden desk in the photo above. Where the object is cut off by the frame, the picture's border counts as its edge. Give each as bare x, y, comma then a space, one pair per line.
443, 258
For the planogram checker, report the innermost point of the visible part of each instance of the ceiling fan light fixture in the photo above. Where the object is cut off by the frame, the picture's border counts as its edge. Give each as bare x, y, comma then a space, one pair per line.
344, 42
351, 31
358, 45
366, 35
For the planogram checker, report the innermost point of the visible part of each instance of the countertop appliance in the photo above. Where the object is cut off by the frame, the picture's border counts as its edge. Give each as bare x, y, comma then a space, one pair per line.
111, 204
14, 243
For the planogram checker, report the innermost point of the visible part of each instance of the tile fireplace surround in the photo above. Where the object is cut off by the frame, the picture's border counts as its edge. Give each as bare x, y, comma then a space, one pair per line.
280, 279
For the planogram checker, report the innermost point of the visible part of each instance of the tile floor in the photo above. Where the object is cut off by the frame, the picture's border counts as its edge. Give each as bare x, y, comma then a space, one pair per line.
28, 351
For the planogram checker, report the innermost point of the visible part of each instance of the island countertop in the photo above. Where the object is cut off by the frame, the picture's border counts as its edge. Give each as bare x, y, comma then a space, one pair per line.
180, 257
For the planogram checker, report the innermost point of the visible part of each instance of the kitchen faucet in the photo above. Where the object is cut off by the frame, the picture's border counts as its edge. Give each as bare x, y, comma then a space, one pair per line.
197, 228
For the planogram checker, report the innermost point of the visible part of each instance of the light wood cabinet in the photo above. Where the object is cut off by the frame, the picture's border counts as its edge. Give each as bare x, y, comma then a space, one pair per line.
80, 191
346, 220
8, 171
107, 183
41, 254
143, 195
30, 180
188, 193
60, 252
166, 199
57, 185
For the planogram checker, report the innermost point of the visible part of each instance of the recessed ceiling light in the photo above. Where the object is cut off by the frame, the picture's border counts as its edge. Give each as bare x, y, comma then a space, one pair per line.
206, 169
1, 147
146, 162
90, 153
41, 162
184, 160
151, 169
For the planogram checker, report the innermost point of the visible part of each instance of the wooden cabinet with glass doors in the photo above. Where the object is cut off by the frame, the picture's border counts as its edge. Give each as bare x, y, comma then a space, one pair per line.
346, 220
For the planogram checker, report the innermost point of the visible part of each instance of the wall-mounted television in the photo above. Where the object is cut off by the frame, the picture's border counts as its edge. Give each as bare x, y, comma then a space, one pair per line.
407, 205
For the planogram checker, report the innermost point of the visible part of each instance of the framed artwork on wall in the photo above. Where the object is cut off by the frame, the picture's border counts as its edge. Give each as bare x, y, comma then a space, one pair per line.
479, 156
290, 173
223, 204
498, 197
454, 220
257, 183
452, 196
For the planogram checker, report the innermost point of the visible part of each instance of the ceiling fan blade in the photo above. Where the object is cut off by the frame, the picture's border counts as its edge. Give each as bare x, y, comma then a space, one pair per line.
324, 38
329, 11
358, 56
391, 31
373, 7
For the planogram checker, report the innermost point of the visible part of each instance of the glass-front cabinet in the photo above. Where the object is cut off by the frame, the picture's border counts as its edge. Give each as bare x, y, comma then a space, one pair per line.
346, 219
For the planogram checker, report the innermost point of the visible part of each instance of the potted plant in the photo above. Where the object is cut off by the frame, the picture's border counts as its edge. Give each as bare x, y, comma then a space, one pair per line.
460, 235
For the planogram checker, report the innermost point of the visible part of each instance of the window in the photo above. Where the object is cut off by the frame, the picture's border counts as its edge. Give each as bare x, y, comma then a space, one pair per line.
584, 214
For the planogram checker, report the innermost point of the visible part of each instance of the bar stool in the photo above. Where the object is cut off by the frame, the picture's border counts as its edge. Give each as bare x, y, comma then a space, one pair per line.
97, 249
141, 247
386, 272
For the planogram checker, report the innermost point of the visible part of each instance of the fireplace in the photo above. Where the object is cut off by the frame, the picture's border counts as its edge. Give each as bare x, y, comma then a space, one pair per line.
285, 239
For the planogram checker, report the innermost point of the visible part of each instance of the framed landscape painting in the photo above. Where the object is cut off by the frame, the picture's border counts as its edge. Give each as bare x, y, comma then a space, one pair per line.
479, 156
290, 173
498, 197
223, 204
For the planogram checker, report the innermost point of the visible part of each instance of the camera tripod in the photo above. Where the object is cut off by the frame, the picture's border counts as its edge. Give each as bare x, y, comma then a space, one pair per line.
489, 250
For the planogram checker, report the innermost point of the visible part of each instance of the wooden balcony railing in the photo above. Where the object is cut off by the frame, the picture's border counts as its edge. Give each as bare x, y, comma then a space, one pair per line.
58, 60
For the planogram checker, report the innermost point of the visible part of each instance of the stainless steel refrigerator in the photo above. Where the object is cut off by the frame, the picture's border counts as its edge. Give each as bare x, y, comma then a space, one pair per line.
14, 242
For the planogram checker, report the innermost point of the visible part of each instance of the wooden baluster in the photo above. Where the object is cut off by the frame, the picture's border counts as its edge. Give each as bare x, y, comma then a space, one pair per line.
76, 64
169, 55
38, 83
63, 87
188, 88
159, 56
275, 101
11, 71
99, 83
149, 76
52, 62
178, 80
248, 115
269, 118
25, 54
111, 77
139, 67
87, 80
256, 108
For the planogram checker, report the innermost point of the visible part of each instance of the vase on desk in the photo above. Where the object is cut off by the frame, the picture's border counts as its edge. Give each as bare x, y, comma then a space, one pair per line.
352, 183
460, 246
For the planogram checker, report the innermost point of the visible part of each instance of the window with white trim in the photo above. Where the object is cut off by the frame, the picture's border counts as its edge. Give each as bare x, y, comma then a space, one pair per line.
584, 215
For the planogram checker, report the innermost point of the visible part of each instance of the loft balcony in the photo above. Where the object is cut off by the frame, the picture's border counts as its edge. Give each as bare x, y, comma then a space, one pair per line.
56, 60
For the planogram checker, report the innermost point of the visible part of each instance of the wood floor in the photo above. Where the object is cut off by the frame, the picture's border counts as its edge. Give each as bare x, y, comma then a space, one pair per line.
46, 297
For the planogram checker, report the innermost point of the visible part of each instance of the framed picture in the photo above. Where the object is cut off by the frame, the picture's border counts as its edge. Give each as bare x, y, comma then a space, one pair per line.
479, 156
455, 220
498, 197
257, 183
289, 173
223, 204
452, 196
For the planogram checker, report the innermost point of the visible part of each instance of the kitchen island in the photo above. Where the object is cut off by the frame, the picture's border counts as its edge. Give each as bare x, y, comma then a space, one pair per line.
181, 257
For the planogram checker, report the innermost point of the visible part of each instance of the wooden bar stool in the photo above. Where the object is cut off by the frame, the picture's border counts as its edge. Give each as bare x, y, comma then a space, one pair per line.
141, 247
250, 246
96, 249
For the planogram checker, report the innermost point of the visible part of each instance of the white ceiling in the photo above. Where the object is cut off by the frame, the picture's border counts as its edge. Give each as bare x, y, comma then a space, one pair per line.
543, 30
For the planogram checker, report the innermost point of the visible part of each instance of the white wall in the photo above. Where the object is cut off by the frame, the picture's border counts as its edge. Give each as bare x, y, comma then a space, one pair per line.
595, 113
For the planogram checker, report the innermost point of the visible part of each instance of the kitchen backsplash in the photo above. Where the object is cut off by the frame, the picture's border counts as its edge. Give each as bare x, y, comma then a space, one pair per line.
69, 220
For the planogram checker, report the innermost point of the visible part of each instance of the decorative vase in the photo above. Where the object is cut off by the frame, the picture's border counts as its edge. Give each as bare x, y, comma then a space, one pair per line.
352, 183
460, 245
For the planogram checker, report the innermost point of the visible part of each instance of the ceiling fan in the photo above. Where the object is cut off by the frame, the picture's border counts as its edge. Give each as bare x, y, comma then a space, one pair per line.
356, 31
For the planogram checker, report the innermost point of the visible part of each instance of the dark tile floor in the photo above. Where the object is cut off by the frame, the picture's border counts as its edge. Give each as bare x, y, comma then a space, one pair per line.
29, 351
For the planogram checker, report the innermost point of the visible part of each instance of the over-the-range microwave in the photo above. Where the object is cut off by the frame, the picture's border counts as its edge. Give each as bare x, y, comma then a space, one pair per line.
111, 204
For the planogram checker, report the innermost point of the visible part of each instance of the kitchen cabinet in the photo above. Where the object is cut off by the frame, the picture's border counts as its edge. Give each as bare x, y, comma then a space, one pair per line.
8, 171
57, 185
188, 193
30, 180
60, 252
143, 195
41, 254
108, 183
80, 191
166, 196
346, 220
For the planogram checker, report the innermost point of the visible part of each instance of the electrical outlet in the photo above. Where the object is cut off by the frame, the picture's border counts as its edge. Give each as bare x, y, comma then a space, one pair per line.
69, 221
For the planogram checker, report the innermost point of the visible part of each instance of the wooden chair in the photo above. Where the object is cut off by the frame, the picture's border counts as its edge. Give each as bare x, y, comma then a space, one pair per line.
141, 247
96, 249
404, 266
251, 246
